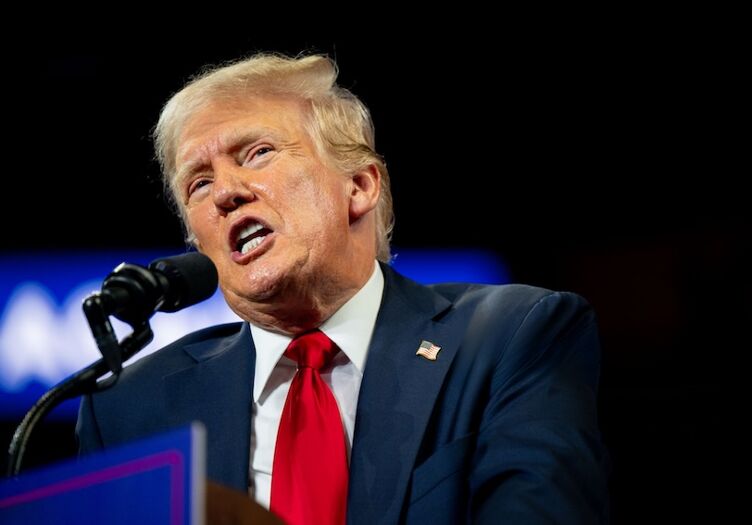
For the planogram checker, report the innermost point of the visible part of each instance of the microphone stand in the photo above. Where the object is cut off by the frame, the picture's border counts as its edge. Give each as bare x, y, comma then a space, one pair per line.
84, 381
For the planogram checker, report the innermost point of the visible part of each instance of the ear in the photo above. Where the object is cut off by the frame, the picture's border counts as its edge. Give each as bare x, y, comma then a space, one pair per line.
364, 191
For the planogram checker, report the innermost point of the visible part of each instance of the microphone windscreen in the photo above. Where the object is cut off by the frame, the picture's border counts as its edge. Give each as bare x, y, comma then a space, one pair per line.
191, 278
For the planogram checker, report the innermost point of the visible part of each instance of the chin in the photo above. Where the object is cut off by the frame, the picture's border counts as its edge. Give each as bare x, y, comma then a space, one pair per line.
265, 283
273, 279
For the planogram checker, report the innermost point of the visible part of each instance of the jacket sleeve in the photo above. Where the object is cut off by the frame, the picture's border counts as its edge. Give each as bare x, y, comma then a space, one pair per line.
87, 430
539, 456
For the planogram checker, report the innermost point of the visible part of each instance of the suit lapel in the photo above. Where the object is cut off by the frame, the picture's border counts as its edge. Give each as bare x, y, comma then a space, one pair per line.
397, 396
217, 390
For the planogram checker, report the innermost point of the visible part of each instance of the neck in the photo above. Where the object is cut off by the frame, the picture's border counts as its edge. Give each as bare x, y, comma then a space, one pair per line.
299, 309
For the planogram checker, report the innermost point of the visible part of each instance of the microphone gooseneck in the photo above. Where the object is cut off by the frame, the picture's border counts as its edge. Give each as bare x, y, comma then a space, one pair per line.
132, 293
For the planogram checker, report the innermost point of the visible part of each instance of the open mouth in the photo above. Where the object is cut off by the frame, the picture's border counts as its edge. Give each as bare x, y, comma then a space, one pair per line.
249, 236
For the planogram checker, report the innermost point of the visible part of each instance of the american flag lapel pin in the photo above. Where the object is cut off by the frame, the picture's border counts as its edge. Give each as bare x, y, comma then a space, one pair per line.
428, 350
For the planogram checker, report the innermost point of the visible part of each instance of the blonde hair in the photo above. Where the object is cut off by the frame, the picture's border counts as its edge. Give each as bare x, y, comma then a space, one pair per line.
339, 123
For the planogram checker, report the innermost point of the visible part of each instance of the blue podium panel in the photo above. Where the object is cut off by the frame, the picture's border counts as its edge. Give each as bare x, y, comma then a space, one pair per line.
158, 480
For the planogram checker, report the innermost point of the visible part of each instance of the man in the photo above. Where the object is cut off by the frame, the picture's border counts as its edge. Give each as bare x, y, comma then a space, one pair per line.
452, 403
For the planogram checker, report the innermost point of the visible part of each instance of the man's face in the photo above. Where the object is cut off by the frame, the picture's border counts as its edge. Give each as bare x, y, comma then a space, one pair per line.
262, 203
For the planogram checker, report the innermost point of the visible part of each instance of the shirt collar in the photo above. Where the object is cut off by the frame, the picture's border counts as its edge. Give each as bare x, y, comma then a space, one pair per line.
351, 328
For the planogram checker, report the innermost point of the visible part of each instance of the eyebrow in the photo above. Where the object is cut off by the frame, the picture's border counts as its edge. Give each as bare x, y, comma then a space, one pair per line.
229, 143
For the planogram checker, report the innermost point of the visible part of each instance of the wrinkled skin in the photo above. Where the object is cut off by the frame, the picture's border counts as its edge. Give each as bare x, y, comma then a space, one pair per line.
253, 160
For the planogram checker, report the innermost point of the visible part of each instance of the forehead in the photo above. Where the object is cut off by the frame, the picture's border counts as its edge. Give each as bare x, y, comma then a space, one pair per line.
218, 124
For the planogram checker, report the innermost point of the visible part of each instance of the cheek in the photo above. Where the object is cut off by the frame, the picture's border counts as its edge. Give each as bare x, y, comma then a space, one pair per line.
320, 210
201, 222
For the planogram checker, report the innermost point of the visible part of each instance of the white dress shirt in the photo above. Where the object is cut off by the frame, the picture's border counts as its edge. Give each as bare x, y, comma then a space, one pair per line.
351, 328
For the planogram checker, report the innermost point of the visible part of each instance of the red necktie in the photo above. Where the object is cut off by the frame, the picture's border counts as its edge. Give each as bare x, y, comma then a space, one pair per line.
309, 475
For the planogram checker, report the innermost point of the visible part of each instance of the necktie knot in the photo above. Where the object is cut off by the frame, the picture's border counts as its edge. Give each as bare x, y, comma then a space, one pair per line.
312, 350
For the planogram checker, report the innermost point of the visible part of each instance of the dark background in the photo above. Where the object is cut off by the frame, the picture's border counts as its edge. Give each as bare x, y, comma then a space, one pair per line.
599, 158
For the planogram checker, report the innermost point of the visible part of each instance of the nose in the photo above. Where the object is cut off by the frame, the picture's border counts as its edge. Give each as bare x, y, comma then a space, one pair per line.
230, 189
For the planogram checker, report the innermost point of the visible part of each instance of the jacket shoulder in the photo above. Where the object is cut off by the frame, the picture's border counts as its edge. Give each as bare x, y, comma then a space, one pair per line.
504, 297
173, 355
506, 312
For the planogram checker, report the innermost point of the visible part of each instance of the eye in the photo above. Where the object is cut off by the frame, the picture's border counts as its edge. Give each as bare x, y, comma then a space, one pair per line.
197, 185
257, 153
263, 150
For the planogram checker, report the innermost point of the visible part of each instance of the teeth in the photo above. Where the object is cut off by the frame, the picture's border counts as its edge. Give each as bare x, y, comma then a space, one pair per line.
250, 245
249, 230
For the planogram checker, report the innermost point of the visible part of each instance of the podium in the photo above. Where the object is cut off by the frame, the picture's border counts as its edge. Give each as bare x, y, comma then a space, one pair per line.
157, 480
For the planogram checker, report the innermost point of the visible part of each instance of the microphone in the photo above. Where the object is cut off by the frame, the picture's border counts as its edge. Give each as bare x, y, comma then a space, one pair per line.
133, 293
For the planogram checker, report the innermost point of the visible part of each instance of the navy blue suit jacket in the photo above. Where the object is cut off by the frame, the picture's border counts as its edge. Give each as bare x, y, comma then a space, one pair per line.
501, 428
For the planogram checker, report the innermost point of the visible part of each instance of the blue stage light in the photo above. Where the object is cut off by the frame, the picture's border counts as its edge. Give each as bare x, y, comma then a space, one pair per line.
44, 336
